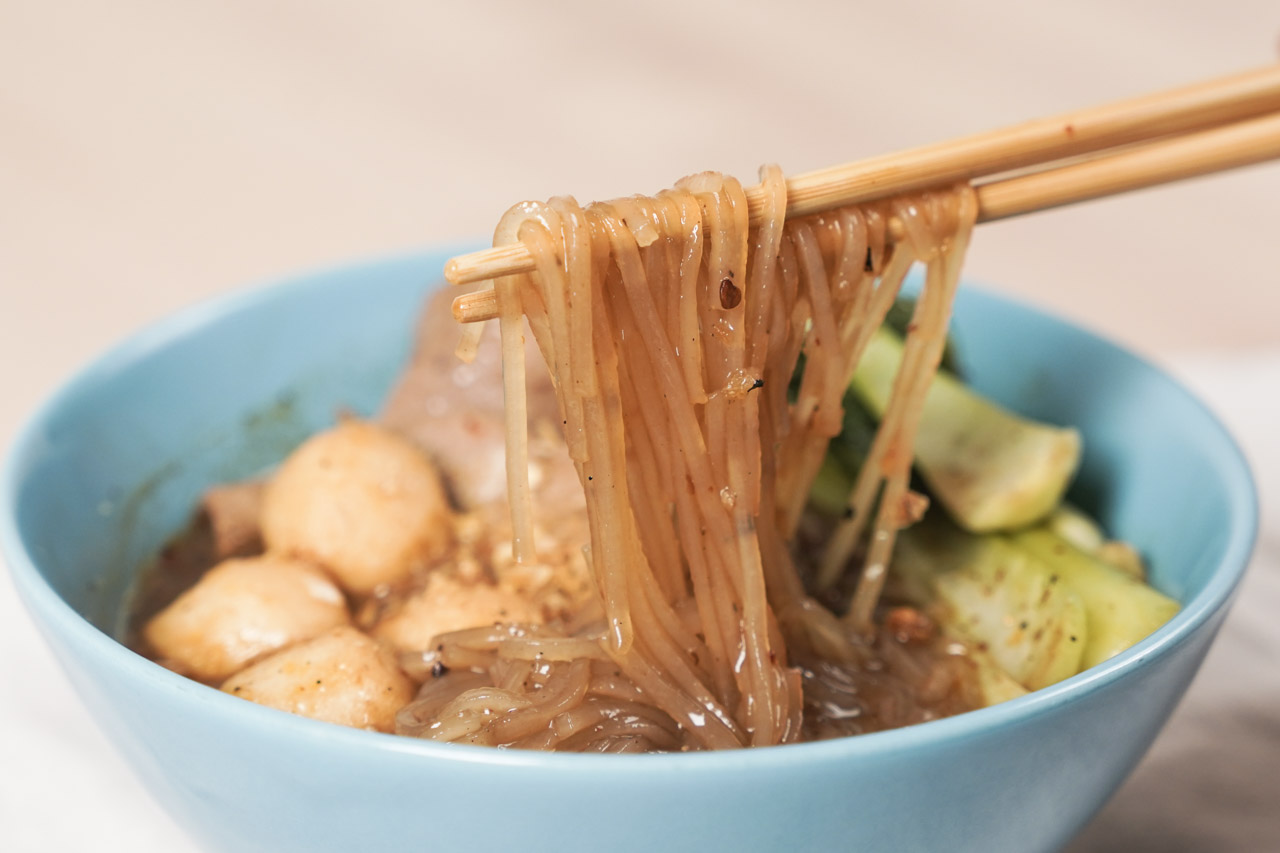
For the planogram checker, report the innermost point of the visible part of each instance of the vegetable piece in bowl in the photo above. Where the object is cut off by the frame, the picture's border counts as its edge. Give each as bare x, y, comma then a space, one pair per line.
991, 469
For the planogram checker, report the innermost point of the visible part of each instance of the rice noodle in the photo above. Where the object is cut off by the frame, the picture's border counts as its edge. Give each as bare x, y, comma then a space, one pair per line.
672, 329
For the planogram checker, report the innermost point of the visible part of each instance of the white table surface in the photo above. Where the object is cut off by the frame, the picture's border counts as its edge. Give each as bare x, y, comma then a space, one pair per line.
152, 154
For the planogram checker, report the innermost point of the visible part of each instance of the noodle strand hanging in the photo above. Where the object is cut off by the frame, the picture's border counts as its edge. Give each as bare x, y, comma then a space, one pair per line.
673, 330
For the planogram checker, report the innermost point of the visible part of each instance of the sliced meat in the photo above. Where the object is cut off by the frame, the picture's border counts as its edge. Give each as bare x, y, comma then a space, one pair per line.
233, 510
454, 410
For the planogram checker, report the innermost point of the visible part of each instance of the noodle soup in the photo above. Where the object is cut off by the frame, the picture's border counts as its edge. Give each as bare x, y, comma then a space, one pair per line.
239, 776
662, 541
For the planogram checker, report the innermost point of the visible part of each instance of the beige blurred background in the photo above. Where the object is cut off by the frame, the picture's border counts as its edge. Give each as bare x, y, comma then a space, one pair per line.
156, 153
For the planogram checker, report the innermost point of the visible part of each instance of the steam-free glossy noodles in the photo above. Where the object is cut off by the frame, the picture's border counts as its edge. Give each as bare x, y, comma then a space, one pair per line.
672, 328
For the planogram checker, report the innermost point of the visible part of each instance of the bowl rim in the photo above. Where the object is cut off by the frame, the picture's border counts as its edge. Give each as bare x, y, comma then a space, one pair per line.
53, 614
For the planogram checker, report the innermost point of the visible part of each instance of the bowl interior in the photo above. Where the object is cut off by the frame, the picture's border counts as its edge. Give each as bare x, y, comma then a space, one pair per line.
113, 464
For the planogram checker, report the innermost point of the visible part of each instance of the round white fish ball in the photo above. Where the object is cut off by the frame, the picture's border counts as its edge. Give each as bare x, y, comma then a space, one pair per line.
240, 610
360, 501
341, 676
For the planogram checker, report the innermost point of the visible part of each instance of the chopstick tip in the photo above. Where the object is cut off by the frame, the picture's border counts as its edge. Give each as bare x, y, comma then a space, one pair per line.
452, 271
460, 310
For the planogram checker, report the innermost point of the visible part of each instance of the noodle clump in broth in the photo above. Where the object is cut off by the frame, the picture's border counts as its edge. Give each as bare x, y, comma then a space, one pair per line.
699, 362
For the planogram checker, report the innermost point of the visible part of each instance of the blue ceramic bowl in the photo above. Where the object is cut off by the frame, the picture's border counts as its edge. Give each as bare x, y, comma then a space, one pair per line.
111, 466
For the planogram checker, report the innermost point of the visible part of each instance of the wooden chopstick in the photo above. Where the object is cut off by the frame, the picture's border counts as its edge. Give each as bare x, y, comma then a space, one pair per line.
1037, 142
1042, 141
1164, 161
